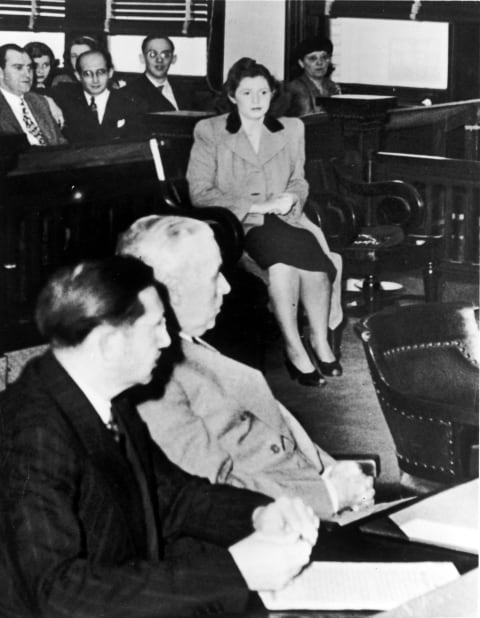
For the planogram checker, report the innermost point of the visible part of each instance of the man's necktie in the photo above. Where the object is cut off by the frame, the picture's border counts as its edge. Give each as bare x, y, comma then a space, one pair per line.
30, 124
94, 108
124, 441
118, 435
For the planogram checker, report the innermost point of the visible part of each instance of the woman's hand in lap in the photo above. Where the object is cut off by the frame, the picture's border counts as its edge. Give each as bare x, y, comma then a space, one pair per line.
281, 204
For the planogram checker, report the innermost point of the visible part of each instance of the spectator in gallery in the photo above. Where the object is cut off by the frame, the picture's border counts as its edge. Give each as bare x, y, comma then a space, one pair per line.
154, 90
314, 56
23, 111
94, 112
45, 64
77, 46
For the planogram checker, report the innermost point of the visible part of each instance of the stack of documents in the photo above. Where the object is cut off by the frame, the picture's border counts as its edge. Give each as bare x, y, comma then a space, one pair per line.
359, 585
447, 519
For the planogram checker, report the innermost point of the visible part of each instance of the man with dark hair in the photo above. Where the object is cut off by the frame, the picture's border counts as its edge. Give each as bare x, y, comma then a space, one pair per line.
22, 111
93, 112
154, 91
94, 519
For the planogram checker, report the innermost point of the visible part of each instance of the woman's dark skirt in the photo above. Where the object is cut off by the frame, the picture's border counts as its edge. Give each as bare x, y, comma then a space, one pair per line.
277, 242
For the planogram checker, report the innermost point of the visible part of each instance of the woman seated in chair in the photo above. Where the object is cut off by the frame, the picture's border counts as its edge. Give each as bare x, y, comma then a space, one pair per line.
252, 163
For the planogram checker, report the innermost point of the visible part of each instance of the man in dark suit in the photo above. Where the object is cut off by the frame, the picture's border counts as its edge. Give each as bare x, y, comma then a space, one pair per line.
94, 519
93, 112
154, 91
22, 111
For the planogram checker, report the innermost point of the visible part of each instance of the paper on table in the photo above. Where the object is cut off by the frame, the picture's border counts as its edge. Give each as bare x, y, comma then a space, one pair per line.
348, 516
447, 519
359, 585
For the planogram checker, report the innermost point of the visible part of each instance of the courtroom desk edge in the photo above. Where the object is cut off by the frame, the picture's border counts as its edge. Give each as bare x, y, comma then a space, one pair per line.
75, 156
358, 106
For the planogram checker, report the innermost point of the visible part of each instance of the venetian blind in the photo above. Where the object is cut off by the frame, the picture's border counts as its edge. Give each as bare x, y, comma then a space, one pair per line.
38, 15
165, 17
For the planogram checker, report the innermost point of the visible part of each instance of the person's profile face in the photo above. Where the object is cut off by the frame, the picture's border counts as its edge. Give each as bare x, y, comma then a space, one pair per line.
94, 74
143, 340
43, 67
252, 97
17, 75
315, 64
202, 286
158, 57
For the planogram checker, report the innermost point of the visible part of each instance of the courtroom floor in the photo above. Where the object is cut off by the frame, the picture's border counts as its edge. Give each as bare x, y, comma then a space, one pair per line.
344, 416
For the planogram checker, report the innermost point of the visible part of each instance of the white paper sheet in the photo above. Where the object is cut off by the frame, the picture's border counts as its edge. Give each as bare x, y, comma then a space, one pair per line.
359, 585
348, 516
447, 519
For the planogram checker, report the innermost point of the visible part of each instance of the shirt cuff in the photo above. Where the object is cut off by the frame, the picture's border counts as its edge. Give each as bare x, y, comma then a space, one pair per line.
332, 492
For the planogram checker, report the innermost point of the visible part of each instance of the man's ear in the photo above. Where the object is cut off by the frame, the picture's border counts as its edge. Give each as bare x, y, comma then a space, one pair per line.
110, 73
175, 293
77, 75
109, 341
141, 57
301, 63
174, 59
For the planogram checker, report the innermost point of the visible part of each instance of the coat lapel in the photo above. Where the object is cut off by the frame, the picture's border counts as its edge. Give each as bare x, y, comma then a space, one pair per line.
271, 143
95, 440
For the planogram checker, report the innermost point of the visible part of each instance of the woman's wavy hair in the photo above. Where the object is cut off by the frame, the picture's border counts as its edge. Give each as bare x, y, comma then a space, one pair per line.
36, 49
245, 67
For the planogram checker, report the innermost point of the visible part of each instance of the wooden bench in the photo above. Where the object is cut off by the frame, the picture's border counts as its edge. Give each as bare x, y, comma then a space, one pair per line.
65, 204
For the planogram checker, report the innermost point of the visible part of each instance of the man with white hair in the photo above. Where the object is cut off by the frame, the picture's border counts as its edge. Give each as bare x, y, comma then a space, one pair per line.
218, 418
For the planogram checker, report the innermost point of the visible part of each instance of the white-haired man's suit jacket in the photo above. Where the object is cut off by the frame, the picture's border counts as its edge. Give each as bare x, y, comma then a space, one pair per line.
219, 419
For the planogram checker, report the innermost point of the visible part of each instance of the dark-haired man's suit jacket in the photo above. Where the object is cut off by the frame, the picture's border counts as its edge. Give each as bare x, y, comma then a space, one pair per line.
75, 539
144, 94
122, 119
38, 105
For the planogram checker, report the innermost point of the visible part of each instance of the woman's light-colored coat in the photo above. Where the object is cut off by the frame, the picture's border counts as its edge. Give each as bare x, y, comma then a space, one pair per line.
224, 170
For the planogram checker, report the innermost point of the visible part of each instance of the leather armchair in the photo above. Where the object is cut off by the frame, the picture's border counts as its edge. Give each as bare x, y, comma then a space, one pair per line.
423, 360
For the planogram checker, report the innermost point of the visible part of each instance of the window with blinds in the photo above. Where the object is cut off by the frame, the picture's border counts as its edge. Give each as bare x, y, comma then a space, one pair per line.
165, 17
36, 15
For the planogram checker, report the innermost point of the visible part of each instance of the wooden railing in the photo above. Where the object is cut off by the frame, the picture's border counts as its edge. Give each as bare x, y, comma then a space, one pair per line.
451, 191
59, 206
447, 129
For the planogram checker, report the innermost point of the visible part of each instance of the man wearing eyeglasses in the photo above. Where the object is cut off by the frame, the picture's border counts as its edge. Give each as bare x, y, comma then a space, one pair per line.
93, 112
154, 91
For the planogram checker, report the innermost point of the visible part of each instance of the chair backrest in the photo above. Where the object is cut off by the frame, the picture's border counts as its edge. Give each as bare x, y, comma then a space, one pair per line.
423, 360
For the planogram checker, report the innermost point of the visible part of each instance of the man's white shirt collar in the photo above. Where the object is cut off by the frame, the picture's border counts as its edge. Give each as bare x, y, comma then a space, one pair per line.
100, 101
167, 91
14, 102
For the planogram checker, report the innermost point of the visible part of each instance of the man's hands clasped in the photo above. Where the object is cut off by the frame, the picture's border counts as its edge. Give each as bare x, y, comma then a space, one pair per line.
285, 532
354, 489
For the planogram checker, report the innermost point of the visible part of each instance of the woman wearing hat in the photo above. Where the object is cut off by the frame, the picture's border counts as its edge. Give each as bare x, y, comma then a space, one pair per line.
314, 56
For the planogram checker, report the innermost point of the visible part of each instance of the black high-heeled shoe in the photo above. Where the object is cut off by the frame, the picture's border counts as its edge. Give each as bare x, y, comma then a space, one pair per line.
313, 378
332, 370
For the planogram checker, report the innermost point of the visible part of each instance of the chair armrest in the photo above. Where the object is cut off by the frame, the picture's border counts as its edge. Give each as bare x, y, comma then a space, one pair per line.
336, 215
404, 206
225, 225
227, 229
368, 462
